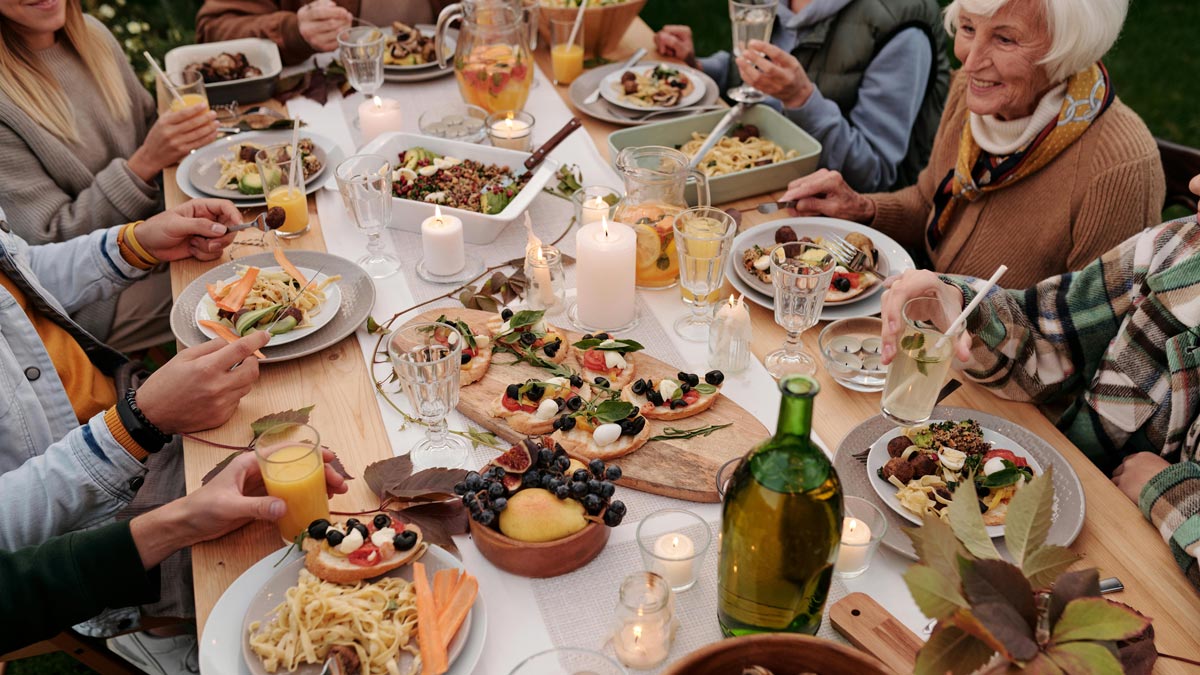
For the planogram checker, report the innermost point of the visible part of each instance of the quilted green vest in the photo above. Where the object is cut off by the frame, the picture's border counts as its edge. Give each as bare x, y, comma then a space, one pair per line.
836, 52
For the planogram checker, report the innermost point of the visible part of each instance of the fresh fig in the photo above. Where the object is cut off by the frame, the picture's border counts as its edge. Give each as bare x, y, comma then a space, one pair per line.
512, 482
515, 461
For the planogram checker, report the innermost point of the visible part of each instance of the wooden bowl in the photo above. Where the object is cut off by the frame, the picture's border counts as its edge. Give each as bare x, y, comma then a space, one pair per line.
543, 559
603, 26
782, 654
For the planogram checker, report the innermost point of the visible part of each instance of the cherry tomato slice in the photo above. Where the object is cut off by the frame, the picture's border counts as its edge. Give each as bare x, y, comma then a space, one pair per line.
691, 396
1006, 454
593, 359
365, 556
510, 404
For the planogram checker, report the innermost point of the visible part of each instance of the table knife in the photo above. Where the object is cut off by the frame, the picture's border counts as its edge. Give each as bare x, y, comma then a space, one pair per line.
595, 95
731, 118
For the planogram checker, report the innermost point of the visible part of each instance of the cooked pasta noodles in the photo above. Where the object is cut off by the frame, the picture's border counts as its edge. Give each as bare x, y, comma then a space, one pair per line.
731, 155
276, 287
378, 620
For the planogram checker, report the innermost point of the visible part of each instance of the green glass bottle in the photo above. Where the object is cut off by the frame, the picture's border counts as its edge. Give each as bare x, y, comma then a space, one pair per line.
781, 526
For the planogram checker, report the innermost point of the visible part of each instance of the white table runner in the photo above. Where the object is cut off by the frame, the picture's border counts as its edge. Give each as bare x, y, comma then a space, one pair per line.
519, 609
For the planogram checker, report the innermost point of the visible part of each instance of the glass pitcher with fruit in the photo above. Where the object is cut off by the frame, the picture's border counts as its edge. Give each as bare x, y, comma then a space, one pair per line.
655, 181
492, 60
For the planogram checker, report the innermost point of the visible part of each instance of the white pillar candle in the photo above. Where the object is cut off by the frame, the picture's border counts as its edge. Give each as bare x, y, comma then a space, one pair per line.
852, 554
673, 553
378, 115
594, 210
442, 243
642, 646
606, 265
511, 133
541, 282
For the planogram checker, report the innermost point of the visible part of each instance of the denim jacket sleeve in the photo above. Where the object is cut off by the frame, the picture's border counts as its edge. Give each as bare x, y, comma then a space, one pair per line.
79, 482
78, 271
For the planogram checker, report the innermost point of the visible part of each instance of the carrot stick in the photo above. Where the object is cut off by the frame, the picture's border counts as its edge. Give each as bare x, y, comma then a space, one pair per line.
236, 297
226, 334
434, 660
443, 585
289, 268
455, 612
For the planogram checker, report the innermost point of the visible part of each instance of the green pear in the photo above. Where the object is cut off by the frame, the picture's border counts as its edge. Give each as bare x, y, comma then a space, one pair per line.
536, 515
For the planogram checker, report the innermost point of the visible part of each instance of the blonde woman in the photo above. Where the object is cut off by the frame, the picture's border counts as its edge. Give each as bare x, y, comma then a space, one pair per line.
82, 148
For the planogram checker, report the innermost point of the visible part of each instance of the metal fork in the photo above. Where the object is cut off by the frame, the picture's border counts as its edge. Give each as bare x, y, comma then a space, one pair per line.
851, 257
691, 109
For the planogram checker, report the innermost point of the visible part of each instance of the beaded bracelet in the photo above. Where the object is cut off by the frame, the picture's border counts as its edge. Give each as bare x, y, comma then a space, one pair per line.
143, 431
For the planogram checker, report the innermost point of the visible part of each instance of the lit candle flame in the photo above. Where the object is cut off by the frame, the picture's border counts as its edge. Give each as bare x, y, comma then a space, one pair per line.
437, 212
604, 224
508, 122
637, 634
675, 543
853, 524
378, 102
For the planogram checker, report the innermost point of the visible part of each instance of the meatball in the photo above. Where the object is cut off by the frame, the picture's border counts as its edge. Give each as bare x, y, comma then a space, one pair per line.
784, 235
246, 153
897, 445
924, 464
901, 469
745, 132
631, 86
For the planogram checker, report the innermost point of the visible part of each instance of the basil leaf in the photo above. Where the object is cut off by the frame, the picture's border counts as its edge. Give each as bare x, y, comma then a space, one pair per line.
705, 388
912, 341
622, 346
1002, 478
613, 411
525, 317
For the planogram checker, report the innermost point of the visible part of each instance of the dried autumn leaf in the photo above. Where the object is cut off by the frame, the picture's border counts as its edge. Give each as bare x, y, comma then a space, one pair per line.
936, 598
950, 650
996, 581
438, 521
1139, 653
1041, 665
1085, 658
386, 473
1029, 516
487, 303
1044, 565
936, 547
1096, 619
219, 467
967, 521
1072, 586
264, 423
1009, 628
466, 296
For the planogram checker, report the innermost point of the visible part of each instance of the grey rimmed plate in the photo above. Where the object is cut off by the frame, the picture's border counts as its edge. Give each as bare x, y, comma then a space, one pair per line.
263, 604
602, 109
357, 298
1069, 500
202, 165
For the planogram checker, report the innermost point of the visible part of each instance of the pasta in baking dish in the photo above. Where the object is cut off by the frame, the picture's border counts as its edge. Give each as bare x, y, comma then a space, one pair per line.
731, 154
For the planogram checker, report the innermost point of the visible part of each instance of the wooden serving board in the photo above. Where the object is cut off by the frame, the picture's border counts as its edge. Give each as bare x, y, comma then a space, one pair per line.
871, 628
683, 469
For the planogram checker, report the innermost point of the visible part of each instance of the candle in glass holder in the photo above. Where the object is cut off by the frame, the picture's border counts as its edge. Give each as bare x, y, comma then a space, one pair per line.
856, 536
606, 266
378, 115
645, 621
674, 553
730, 337
512, 130
593, 203
442, 244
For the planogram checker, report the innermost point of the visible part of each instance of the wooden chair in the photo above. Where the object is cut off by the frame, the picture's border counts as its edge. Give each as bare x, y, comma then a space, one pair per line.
92, 652
1180, 164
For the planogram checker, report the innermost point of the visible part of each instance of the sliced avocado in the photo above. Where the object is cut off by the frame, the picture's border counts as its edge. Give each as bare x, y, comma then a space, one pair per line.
284, 325
246, 322
492, 203
250, 184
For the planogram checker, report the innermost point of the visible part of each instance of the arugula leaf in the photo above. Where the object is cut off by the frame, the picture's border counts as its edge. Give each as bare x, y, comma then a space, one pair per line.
464, 331
613, 411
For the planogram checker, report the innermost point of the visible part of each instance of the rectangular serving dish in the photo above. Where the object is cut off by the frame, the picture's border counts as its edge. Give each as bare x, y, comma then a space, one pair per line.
260, 53
751, 182
478, 228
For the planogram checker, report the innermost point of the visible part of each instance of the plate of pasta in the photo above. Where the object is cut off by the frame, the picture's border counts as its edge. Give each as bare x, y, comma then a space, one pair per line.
743, 149
269, 298
296, 621
658, 86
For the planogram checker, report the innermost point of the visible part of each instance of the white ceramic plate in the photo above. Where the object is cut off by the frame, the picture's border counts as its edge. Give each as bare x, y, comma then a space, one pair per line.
892, 257
611, 90
222, 644
765, 239
183, 175
887, 492
207, 309
204, 173
429, 32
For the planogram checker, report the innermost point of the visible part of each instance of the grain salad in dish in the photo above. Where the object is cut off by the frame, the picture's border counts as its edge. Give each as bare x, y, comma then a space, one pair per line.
424, 176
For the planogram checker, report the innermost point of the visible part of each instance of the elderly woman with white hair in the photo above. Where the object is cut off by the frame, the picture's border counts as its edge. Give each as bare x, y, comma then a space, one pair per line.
1037, 164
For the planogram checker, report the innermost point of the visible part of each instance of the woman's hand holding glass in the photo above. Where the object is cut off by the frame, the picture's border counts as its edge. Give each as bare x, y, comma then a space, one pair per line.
172, 137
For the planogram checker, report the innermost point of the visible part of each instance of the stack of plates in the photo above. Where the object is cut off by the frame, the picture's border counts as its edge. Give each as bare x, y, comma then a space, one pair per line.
198, 173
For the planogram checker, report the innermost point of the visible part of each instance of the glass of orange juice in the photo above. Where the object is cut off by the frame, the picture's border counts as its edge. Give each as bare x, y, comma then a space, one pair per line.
189, 85
275, 171
566, 50
293, 470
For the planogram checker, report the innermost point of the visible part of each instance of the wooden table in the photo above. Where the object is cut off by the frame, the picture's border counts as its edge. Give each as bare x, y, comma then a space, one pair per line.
1116, 539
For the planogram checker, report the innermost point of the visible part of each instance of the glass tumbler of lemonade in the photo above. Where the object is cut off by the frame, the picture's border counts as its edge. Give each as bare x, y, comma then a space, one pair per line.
186, 90
921, 363
566, 50
283, 187
293, 470
703, 237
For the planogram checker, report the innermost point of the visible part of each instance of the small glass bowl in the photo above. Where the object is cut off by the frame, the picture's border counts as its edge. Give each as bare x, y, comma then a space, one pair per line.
850, 349
456, 121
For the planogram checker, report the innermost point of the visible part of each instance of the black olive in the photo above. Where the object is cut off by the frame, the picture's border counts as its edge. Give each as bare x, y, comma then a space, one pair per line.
626, 427
639, 387
693, 379
678, 403
466, 358
587, 336
714, 377
576, 381
601, 336
685, 387
574, 403
528, 339
603, 382
551, 349
334, 537
351, 523
655, 397
568, 423
513, 391
842, 284
318, 528
681, 376
557, 424
506, 314
405, 540
639, 423
560, 402
381, 521
362, 529
536, 391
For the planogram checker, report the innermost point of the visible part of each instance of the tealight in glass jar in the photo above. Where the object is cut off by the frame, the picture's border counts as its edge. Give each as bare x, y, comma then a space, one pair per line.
645, 621
546, 284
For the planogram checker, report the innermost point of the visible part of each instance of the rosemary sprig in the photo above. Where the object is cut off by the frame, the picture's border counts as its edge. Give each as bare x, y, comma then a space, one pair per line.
671, 433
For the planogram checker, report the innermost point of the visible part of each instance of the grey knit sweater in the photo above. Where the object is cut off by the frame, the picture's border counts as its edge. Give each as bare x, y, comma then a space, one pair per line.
51, 190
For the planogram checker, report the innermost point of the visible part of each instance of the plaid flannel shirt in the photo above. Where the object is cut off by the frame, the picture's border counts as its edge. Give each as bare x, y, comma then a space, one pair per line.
1118, 343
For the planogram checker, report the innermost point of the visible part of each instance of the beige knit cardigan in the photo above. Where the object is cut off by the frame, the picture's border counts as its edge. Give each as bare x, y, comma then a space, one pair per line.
1105, 187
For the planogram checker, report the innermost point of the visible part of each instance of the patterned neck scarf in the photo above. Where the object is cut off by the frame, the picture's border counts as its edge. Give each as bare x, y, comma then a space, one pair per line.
1089, 93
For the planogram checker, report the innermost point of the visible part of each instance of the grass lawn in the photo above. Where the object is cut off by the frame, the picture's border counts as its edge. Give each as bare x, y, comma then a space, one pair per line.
1153, 75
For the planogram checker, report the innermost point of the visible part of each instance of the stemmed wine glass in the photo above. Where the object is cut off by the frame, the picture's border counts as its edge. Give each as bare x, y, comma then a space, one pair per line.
361, 52
801, 273
752, 20
703, 237
365, 182
428, 368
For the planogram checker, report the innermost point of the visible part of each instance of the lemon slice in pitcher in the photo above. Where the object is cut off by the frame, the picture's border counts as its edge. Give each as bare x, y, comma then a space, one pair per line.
649, 247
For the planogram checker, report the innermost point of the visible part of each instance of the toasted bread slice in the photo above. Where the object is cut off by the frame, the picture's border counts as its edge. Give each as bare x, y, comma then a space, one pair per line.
864, 281
338, 569
616, 378
552, 334
526, 422
665, 412
579, 443
476, 368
